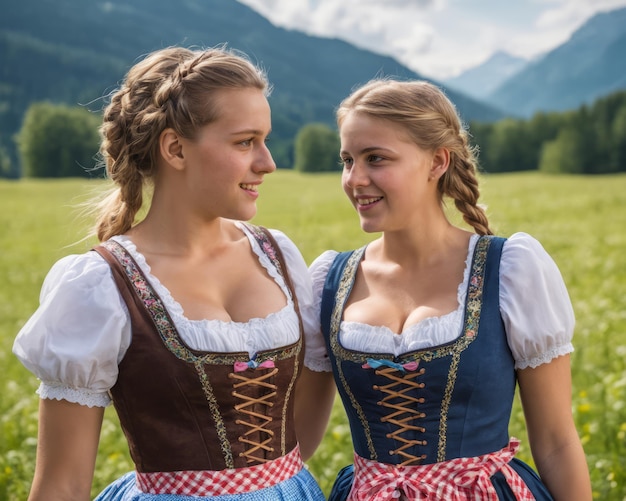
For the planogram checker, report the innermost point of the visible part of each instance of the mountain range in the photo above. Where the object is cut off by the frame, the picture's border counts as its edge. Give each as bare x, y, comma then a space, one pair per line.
480, 81
76, 51
590, 65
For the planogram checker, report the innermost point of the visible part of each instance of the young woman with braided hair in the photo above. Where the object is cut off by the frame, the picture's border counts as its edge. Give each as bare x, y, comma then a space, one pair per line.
428, 328
189, 319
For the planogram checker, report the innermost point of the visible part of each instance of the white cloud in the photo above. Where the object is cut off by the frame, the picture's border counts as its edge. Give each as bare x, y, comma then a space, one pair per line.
438, 38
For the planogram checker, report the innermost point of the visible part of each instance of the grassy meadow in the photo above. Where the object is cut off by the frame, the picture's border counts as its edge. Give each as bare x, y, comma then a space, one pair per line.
581, 221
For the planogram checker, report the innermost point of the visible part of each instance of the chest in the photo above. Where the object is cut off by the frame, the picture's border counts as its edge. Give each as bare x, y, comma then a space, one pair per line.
402, 300
230, 286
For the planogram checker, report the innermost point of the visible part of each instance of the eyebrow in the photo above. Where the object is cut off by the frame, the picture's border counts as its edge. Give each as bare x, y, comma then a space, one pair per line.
254, 132
369, 149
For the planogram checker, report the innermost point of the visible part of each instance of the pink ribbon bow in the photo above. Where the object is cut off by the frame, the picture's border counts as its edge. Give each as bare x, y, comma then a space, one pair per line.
375, 364
253, 364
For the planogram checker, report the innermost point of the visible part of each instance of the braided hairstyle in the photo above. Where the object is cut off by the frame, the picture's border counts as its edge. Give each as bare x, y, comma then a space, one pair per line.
432, 122
169, 88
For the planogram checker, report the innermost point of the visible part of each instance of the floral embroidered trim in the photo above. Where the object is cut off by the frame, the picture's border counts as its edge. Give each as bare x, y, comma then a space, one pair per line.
341, 296
268, 248
473, 309
453, 349
172, 341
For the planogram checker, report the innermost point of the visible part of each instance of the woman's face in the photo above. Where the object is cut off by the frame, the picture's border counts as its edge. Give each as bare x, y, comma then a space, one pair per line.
386, 176
227, 160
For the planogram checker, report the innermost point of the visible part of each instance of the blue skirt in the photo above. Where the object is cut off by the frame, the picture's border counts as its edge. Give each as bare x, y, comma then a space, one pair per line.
301, 487
343, 483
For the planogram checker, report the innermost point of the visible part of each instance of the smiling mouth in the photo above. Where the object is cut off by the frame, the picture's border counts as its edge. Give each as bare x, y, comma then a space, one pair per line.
368, 201
248, 187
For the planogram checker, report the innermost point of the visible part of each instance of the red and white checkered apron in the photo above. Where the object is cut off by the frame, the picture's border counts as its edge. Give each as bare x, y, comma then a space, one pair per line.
461, 479
216, 483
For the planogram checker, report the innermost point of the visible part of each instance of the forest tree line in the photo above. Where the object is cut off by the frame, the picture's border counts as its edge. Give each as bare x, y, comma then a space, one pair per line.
62, 141
589, 140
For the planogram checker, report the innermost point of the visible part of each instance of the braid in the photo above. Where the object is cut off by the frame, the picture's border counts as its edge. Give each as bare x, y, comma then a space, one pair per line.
432, 122
460, 183
171, 88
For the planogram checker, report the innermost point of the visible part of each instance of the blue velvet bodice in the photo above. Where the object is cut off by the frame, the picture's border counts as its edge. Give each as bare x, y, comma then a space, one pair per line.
455, 403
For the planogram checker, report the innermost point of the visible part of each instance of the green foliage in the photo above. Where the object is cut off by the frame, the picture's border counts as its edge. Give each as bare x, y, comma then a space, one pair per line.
578, 219
316, 149
6, 169
589, 140
562, 154
58, 141
47, 54
618, 141
508, 146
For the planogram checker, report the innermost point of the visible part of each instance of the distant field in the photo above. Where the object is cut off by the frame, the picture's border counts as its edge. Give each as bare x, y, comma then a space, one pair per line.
581, 221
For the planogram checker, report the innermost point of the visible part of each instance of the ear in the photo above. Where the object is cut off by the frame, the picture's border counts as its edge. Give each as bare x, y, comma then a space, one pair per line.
171, 148
440, 164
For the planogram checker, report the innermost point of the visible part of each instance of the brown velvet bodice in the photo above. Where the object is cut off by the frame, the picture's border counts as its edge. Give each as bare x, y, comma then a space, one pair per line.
181, 409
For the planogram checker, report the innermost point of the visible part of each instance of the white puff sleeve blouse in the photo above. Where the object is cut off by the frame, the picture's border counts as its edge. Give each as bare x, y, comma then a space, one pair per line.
81, 330
534, 304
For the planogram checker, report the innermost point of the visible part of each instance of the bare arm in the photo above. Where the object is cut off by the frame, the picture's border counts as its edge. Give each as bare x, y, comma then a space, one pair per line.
546, 398
315, 394
66, 451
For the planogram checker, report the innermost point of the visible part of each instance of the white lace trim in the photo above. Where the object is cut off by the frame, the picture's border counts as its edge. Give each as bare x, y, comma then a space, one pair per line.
266, 263
83, 396
545, 358
279, 328
429, 332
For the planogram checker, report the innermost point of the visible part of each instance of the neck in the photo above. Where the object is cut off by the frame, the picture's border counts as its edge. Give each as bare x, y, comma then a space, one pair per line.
422, 246
181, 233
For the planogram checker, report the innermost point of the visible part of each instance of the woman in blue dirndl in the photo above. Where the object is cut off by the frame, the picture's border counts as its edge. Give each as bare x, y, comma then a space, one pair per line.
190, 321
429, 328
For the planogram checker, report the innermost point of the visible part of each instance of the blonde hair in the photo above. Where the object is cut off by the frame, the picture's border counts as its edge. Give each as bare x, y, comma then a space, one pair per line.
170, 88
431, 121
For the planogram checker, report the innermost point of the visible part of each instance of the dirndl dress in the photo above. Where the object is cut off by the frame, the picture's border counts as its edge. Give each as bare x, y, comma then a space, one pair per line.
432, 423
221, 427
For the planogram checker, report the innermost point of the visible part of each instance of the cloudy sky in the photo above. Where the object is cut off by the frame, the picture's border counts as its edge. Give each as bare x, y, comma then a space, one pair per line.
438, 38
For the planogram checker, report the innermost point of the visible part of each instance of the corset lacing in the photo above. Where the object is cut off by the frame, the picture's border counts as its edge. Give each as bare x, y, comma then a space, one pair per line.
252, 408
402, 406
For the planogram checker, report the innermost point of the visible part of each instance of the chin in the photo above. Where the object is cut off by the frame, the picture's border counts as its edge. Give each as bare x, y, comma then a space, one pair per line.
244, 215
369, 227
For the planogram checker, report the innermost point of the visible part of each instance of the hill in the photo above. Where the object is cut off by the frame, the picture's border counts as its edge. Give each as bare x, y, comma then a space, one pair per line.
75, 51
591, 64
483, 79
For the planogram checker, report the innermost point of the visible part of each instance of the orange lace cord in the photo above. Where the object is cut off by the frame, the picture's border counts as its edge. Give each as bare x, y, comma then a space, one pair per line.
247, 407
403, 409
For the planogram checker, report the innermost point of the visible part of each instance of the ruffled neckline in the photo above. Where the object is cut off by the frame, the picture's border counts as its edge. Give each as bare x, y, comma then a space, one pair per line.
176, 310
431, 331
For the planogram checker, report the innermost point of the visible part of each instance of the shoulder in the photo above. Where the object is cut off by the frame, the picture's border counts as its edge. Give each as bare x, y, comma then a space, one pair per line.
523, 245
534, 303
79, 332
524, 260
324, 260
284, 242
77, 271
320, 267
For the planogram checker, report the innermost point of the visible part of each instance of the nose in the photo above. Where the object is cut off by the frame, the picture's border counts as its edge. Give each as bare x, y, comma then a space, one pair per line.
355, 176
264, 163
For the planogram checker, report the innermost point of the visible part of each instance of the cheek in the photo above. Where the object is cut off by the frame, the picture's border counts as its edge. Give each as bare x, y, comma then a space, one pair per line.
344, 183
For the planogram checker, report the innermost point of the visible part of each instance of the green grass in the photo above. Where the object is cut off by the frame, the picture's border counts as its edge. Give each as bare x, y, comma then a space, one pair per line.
581, 221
